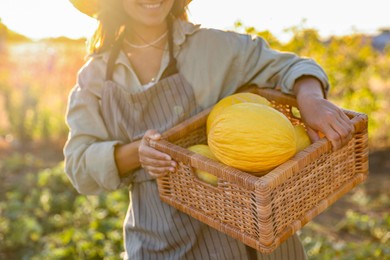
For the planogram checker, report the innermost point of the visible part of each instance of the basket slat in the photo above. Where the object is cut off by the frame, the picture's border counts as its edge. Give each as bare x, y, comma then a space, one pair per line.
262, 212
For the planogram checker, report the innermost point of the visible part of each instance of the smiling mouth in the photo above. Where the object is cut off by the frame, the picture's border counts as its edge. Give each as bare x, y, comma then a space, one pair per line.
152, 5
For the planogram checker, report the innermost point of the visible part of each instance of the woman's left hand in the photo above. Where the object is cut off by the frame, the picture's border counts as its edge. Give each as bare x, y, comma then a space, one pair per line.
321, 115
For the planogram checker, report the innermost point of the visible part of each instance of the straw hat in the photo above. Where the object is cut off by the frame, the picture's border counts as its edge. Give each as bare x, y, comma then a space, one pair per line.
92, 7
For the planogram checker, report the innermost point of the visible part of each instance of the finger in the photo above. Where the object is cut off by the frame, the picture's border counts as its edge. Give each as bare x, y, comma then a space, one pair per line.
152, 154
150, 157
146, 151
150, 162
340, 129
313, 135
150, 135
155, 136
159, 172
332, 135
151, 132
335, 139
344, 128
157, 175
343, 115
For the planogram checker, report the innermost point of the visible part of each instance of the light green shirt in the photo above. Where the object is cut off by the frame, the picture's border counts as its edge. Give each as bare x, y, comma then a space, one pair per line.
214, 62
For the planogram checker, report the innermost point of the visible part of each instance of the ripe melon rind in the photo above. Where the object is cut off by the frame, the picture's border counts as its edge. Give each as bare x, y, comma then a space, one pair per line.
252, 137
237, 98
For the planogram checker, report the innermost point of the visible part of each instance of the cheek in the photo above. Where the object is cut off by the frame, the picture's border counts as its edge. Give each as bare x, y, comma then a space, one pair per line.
170, 3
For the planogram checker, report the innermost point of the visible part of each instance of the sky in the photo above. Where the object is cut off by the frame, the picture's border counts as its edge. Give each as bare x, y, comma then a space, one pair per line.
52, 18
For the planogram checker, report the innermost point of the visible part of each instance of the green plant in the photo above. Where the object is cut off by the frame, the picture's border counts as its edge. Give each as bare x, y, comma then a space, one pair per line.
45, 218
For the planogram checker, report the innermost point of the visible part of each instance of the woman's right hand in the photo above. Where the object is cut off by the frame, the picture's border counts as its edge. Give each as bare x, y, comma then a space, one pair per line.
153, 161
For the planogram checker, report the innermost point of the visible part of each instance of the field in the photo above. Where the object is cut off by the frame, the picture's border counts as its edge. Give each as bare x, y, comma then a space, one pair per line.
42, 217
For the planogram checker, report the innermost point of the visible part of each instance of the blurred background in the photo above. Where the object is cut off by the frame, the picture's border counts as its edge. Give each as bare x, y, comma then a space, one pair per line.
42, 46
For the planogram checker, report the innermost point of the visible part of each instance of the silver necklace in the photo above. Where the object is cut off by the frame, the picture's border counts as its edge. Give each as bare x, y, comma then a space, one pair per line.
136, 46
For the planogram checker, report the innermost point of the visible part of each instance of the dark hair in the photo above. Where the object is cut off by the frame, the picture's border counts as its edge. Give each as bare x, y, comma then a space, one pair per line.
112, 21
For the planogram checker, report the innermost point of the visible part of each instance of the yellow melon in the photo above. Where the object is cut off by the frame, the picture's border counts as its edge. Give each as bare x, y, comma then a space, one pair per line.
303, 139
204, 150
234, 99
252, 137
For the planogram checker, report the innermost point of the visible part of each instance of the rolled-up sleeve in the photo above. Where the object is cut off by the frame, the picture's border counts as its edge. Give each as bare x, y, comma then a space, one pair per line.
266, 67
89, 154
226, 61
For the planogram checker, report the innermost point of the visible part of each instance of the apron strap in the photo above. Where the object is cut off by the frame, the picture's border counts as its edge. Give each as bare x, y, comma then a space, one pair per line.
172, 66
169, 71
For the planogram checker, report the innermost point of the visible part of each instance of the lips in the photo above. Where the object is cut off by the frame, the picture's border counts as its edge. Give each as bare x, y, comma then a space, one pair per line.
151, 5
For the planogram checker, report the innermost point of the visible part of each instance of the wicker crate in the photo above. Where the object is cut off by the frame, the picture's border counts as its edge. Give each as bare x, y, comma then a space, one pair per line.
262, 212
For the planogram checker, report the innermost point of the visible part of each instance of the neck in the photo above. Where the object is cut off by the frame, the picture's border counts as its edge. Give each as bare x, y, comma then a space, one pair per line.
145, 34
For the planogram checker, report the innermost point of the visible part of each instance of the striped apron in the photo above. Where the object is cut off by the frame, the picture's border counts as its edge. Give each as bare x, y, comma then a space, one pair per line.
153, 229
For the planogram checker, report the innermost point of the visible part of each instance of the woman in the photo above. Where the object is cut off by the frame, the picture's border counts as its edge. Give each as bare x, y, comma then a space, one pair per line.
150, 69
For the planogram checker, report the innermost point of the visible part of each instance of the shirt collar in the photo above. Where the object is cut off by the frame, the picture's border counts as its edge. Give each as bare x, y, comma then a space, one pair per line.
182, 29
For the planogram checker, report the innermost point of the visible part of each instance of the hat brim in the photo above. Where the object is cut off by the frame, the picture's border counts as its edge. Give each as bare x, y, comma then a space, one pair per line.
88, 7
92, 7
